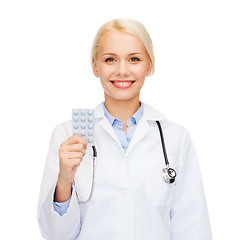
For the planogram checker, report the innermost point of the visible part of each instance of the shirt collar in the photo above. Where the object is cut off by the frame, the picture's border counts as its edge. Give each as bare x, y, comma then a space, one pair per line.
149, 113
108, 115
135, 117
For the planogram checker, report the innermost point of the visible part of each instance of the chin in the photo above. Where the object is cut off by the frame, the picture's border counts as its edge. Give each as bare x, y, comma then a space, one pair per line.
123, 97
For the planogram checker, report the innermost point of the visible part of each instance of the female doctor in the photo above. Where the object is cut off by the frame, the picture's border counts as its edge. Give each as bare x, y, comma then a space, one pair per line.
129, 198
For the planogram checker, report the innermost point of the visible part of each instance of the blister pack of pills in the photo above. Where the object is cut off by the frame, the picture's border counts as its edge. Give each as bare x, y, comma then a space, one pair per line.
83, 124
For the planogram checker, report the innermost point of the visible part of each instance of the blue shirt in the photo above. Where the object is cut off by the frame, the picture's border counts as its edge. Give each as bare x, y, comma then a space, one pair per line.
124, 138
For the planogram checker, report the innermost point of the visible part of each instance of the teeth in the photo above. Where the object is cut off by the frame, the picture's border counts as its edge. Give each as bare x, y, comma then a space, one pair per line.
123, 83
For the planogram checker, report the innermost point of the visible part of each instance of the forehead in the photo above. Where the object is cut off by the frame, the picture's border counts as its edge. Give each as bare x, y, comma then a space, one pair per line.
119, 42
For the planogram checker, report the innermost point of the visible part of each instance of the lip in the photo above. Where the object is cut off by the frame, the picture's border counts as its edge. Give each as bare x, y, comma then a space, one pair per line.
122, 83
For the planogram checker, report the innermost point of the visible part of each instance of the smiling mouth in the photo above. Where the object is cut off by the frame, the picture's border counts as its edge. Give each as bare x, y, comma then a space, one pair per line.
122, 84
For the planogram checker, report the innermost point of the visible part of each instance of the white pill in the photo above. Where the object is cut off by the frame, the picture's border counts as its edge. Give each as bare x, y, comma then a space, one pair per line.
90, 126
90, 133
75, 112
90, 112
83, 112
83, 133
90, 119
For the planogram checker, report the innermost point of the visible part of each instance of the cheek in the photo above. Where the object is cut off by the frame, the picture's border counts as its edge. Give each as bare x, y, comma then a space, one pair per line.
141, 72
103, 72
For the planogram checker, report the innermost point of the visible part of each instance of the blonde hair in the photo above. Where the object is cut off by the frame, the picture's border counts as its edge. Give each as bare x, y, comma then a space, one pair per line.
130, 26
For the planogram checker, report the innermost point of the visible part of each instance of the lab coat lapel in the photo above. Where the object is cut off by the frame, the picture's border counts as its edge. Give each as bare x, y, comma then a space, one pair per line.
142, 129
104, 123
109, 129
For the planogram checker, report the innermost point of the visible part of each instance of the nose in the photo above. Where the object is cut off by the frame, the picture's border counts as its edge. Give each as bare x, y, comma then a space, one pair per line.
122, 69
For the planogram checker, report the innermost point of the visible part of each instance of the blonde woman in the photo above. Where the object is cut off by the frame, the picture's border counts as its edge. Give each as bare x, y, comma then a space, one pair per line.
129, 196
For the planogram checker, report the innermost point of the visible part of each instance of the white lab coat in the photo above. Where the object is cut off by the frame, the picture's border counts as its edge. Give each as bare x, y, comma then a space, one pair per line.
131, 200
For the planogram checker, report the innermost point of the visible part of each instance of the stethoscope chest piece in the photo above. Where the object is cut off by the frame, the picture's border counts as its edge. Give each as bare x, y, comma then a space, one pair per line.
169, 175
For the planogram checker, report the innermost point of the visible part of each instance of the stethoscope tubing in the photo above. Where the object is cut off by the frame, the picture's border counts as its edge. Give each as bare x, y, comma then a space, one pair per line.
163, 143
93, 176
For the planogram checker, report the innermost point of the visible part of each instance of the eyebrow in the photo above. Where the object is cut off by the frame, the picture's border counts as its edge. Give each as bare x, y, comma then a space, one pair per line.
114, 54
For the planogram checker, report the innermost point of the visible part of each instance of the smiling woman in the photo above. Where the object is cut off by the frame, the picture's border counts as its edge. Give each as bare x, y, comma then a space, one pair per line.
132, 199
122, 63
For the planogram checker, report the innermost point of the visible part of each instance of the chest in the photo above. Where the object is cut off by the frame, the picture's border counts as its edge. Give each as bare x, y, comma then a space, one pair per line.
138, 171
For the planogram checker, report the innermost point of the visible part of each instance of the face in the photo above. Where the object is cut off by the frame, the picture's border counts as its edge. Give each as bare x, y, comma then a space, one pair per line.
122, 65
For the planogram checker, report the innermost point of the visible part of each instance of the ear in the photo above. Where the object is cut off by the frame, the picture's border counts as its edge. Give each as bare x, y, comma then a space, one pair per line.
94, 67
149, 68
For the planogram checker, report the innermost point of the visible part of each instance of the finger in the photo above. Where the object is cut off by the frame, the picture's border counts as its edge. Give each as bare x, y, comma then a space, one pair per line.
69, 161
79, 147
73, 155
75, 139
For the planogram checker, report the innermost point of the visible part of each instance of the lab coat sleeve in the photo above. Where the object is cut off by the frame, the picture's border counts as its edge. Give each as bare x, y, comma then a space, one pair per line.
189, 214
52, 225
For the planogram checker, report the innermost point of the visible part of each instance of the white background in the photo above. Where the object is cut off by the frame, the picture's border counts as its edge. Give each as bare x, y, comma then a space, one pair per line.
45, 71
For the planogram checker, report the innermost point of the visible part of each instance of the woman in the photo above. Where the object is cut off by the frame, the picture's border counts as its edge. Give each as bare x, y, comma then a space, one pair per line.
130, 199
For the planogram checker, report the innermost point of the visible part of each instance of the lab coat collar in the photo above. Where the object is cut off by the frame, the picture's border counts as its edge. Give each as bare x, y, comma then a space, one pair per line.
149, 113
143, 127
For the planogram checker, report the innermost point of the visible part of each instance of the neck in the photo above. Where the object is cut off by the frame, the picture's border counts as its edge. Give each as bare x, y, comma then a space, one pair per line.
121, 109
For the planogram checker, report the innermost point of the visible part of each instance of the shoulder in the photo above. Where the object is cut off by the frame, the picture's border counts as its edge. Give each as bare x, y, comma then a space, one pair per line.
152, 115
174, 127
62, 131
65, 127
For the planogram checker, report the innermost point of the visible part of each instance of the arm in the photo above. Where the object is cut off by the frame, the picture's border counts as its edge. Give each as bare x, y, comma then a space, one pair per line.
52, 225
189, 215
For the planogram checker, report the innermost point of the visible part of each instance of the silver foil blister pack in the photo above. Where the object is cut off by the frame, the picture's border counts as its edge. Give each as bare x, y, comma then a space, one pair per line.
83, 124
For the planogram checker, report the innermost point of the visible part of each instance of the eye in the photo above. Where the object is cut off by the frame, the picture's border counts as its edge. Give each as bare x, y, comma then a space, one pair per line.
134, 59
109, 60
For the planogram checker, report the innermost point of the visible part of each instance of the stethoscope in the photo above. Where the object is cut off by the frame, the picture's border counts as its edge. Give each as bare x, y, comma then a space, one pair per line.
168, 174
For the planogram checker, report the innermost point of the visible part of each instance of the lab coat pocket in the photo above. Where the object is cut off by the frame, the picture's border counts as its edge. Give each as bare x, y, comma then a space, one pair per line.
83, 180
157, 190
